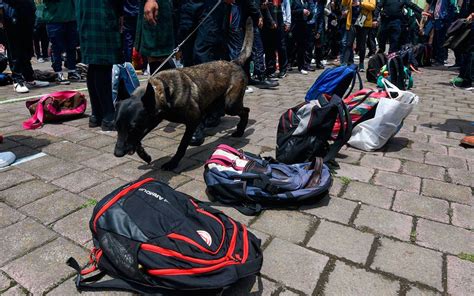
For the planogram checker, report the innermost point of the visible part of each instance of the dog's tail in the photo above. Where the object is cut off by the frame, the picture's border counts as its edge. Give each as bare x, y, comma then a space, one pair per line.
247, 45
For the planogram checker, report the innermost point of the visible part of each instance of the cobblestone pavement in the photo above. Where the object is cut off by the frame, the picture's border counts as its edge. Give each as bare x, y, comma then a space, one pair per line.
396, 221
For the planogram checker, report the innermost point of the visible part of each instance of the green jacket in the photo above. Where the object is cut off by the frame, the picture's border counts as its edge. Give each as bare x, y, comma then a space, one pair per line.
99, 31
55, 11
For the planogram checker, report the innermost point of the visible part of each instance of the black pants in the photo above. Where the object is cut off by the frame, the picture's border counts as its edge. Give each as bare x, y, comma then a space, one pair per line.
390, 29
371, 44
99, 85
41, 41
20, 48
300, 38
274, 40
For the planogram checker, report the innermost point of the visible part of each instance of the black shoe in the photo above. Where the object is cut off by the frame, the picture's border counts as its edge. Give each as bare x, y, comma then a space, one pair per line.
309, 68
319, 65
437, 64
262, 82
282, 74
94, 121
198, 137
108, 126
272, 76
74, 77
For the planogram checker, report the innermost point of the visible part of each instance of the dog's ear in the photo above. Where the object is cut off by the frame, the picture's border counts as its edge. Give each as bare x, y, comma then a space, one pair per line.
148, 99
122, 92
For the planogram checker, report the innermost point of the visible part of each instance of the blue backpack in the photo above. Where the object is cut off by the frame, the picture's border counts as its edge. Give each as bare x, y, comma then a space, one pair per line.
125, 79
335, 81
250, 183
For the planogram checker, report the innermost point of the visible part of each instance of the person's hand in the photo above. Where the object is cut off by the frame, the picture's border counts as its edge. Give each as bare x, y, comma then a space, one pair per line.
355, 3
375, 24
318, 35
306, 12
264, 5
273, 26
260, 22
286, 27
151, 11
426, 14
470, 18
229, 2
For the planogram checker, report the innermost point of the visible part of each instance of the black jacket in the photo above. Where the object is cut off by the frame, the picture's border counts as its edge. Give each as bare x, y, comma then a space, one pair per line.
394, 8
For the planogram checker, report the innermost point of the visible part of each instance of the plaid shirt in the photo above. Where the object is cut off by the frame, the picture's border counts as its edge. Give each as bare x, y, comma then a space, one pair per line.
99, 31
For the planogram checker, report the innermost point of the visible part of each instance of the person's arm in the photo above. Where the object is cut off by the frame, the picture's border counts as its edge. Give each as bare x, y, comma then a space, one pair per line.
286, 8
267, 16
414, 7
368, 5
346, 3
320, 19
297, 11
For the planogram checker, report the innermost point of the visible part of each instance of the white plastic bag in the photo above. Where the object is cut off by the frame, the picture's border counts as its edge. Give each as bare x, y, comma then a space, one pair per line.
374, 133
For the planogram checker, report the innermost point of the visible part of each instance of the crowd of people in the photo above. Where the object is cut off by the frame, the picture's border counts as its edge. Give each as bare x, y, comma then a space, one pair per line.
289, 35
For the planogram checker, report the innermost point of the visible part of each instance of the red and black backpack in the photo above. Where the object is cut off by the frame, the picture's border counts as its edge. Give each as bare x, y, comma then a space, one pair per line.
149, 238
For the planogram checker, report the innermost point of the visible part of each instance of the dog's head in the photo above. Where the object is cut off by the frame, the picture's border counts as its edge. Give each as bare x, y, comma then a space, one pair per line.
137, 115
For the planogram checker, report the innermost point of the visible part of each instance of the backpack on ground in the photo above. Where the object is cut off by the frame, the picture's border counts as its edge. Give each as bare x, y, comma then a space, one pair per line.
304, 131
376, 62
397, 73
49, 76
248, 182
338, 81
3, 62
5, 79
149, 237
361, 106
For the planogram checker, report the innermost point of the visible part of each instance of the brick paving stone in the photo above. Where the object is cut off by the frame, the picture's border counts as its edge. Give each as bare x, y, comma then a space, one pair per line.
100, 191
76, 225
348, 156
5, 282
424, 170
431, 147
461, 177
171, 178
422, 206
9, 215
21, 237
71, 152
370, 194
354, 172
196, 189
444, 141
289, 225
342, 241
385, 222
336, 187
463, 215
407, 154
414, 291
461, 152
398, 182
287, 293
41, 269
411, 262
381, 163
429, 131
128, 171
445, 161
444, 237
452, 192
98, 141
15, 291
12, 177
264, 238
332, 208
54, 206
79, 135
81, 180
252, 286
348, 280
57, 129
26, 192
460, 275
301, 272
104, 162
49, 168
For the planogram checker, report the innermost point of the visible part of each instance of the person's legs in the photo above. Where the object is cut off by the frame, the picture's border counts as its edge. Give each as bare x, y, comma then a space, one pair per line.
361, 40
70, 44
94, 96
301, 38
44, 42
394, 32
281, 48
129, 30
269, 47
36, 42
371, 44
57, 35
99, 85
310, 43
382, 35
348, 51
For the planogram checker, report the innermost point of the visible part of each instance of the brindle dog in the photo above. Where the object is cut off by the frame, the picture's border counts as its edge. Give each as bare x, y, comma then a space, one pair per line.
184, 96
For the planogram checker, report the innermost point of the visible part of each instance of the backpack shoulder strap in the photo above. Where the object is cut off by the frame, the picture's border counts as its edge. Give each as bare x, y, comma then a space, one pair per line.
344, 132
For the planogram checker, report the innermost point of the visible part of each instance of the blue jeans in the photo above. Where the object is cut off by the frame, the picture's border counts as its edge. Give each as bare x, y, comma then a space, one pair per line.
258, 53
235, 34
440, 53
128, 36
64, 38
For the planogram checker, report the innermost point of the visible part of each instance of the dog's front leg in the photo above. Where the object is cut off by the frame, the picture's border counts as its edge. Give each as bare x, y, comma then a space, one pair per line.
183, 145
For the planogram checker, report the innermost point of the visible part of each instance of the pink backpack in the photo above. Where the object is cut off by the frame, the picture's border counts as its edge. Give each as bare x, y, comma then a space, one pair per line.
57, 106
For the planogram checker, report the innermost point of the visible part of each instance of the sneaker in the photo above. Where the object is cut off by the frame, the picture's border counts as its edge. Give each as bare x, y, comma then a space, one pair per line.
319, 65
313, 61
107, 126
261, 81
6, 159
304, 72
94, 121
37, 84
61, 80
361, 68
310, 68
468, 141
20, 88
282, 74
41, 60
272, 76
74, 77
198, 137
249, 90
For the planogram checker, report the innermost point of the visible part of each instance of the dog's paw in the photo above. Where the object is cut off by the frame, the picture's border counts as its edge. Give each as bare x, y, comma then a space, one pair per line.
170, 165
237, 134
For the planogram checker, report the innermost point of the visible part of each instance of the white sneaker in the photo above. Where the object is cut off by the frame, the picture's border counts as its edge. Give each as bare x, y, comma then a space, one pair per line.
304, 72
37, 83
20, 88
41, 60
248, 90
313, 61
6, 158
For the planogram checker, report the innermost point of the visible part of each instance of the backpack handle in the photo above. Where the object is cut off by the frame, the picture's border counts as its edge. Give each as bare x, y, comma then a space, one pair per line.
344, 132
